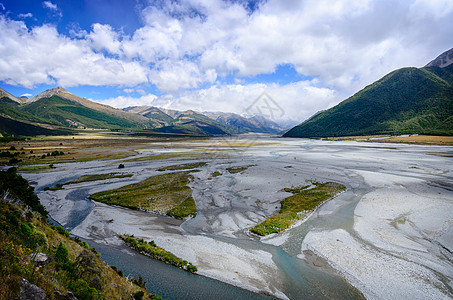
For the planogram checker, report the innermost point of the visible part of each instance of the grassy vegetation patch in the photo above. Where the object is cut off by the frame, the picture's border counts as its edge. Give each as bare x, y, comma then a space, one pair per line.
96, 177
32, 249
152, 250
298, 206
183, 166
166, 193
234, 170
160, 156
216, 174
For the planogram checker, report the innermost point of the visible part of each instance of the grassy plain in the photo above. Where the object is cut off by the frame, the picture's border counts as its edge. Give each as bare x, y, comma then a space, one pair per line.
296, 207
166, 193
436, 140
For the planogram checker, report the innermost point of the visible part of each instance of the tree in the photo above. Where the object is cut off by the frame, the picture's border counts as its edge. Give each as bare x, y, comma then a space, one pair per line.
62, 255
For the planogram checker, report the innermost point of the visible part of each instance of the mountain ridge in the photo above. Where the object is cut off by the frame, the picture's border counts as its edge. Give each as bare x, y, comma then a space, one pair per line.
406, 101
59, 108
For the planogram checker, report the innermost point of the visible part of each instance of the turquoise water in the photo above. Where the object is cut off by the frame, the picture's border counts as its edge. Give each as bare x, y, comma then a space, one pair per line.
167, 281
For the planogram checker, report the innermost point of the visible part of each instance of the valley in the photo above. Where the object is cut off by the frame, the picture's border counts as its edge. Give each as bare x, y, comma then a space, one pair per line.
395, 213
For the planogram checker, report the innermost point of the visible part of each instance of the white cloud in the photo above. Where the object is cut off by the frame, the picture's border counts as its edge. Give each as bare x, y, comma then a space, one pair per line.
173, 76
26, 95
50, 5
42, 55
103, 37
297, 100
185, 45
122, 101
2, 6
24, 16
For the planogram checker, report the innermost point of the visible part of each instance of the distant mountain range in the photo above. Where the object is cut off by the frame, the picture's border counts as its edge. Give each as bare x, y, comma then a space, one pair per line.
406, 101
57, 111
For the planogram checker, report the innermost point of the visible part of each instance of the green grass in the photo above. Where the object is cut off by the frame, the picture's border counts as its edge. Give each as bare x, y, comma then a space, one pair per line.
216, 174
160, 156
96, 177
70, 265
234, 170
166, 193
183, 166
152, 250
298, 206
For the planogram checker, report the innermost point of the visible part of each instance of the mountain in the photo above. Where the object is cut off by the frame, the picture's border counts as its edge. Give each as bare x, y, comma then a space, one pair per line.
443, 60
405, 101
240, 124
56, 109
173, 121
5, 94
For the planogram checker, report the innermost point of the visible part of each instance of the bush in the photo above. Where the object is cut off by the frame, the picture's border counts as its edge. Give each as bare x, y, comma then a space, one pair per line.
18, 188
121, 166
62, 231
62, 255
139, 295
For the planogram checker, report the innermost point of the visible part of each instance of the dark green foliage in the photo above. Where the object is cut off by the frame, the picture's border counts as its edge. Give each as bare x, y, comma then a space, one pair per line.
152, 250
139, 295
140, 282
120, 166
17, 187
62, 231
62, 254
406, 101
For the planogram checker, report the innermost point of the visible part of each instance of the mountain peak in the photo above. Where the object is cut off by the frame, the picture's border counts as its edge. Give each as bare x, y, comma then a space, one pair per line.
443, 60
4, 93
57, 91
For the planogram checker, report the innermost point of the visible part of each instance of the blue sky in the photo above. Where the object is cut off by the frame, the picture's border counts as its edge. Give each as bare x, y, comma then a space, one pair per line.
216, 55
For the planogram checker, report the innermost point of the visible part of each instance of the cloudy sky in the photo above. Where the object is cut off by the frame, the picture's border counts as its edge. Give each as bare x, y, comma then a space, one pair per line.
216, 55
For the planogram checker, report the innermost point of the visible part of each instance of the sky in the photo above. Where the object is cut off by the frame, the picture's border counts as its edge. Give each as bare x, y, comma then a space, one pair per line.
216, 55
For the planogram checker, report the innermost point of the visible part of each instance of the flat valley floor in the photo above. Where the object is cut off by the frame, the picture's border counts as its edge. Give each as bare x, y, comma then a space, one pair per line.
388, 236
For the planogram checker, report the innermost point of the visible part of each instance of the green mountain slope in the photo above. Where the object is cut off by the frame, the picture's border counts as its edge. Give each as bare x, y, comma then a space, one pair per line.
63, 112
406, 101
192, 127
39, 261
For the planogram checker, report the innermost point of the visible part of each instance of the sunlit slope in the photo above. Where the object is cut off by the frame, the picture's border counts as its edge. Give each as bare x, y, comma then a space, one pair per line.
406, 101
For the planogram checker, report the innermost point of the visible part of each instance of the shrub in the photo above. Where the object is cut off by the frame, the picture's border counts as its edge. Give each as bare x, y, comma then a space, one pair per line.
139, 295
62, 231
62, 255
121, 166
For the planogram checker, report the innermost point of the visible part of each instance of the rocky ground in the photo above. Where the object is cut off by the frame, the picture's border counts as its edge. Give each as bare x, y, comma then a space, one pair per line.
390, 234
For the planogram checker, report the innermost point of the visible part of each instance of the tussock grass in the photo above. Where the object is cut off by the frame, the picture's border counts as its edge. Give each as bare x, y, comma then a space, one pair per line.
298, 206
183, 166
96, 177
234, 170
166, 193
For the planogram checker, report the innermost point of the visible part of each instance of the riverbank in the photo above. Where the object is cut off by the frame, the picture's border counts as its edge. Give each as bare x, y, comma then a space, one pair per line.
229, 204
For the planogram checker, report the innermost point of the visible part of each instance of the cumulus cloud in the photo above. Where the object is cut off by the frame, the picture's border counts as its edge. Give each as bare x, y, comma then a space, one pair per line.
187, 48
122, 101
24, 16
297, 101
50, 5
42, 55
